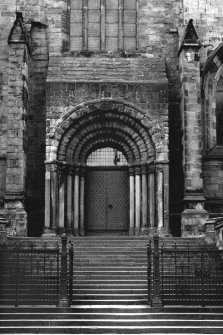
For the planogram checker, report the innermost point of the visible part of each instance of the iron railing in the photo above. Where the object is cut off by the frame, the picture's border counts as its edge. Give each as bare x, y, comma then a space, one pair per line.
33, 275
186, 275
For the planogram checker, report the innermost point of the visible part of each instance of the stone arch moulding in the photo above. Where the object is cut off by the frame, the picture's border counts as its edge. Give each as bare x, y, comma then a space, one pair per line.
97, 124
213, 71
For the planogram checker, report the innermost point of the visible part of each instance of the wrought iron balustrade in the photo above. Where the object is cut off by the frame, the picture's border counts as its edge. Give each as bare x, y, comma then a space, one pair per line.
32, 275
188, 275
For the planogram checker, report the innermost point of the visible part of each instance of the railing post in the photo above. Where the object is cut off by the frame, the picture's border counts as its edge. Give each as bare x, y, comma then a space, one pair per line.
71, 257
149, 270
156, 299
63, 297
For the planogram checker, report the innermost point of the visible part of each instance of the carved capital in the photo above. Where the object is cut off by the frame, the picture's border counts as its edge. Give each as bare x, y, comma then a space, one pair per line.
137, 170
144, 169
131, 170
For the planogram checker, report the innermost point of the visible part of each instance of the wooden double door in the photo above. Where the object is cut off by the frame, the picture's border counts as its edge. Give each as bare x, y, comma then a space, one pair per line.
106, 200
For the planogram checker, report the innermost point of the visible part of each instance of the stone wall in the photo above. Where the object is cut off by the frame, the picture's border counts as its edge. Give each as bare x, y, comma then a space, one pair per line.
141, 81
36, 125
160, 29
208, 18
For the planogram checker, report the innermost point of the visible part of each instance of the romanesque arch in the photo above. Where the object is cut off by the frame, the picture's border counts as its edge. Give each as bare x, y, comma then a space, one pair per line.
98, 124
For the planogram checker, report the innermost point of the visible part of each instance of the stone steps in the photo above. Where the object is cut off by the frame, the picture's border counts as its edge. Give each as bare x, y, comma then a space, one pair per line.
110, 296
107, 319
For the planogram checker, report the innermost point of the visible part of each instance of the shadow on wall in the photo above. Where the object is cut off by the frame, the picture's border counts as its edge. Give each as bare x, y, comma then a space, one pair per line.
35, 215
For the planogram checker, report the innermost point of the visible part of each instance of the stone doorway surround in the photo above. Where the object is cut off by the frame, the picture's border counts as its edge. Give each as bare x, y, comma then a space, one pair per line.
97, 124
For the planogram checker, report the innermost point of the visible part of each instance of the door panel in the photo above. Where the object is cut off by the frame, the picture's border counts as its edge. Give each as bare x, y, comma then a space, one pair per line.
117, 200
94, 200
106, 200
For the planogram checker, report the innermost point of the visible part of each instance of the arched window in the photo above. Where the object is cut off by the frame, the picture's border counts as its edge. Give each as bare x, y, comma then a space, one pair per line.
219, 112
106, 157
103, 25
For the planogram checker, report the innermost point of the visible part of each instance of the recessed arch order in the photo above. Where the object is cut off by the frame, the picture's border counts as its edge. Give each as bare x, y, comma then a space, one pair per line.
121, 123
99, 124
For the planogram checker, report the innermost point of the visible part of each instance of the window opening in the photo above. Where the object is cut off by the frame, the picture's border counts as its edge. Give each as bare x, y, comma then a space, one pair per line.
106, 157
219, 115
103, 25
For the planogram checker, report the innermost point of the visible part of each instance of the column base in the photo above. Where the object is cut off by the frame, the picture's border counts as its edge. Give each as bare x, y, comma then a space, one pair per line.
152, 231
3, 233
63, 303
49, 232
193, 222
156, 302
76, 232
144, 231
82, 232
16, 217
162, 231
137, 231
131, 231
69, 231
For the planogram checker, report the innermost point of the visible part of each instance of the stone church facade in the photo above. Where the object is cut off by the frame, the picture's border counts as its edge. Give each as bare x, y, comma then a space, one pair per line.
137, 80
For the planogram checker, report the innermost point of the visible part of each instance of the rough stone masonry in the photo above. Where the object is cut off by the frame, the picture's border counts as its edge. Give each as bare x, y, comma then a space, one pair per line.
57, 55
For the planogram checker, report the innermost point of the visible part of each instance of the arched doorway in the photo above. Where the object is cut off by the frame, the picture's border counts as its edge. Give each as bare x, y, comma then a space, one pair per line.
83, 198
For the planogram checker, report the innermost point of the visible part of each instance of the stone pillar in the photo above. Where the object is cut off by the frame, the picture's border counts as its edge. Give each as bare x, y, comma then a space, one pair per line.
162, 197
69, 192
144, 228
15, 110
131, 201
50, 198
76, 201
151, 199
137, 201
47, 199
62, 181
54, 197
82, 185
159, 199
194, 215
166, 196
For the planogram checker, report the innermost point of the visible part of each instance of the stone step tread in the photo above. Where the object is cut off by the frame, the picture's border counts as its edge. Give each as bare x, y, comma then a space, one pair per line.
101, 277
127, 333
120, 315
109, 301
188, 310
102, 267
110, 290
112, 296
109, 263
114, 272
107, 289
128, 323
122, 327
114, 281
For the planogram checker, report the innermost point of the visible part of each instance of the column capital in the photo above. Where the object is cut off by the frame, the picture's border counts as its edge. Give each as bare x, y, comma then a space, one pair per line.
161, 165
62, 167
151, 168
76, 169
70, 169
137, 170
144, 169
82, 170
51, 166
131, 170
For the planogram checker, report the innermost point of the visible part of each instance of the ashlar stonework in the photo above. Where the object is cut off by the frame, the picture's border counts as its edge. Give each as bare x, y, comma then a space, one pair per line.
142, 77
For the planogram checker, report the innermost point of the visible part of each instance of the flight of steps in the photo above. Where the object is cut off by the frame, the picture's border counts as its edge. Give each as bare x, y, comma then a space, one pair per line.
110, 270
110, 297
